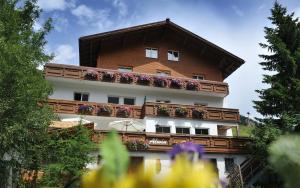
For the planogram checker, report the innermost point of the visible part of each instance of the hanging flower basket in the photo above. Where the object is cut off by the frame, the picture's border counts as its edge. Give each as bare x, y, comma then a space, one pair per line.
126, 78
181, 112
160, 82
105, 110
175, 83
85, 109
198, 113
163, 110
91, 75
144, 80
124, 112
192, 85
108, 76
136, 145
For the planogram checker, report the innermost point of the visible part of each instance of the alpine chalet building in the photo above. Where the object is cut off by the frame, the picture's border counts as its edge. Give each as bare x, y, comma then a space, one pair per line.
158, 84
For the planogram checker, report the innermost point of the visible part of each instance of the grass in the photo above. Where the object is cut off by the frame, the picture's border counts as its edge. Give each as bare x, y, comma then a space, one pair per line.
245, 130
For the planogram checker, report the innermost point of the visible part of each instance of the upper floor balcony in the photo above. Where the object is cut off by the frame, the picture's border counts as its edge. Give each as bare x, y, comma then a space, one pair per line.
137, 80
148, 109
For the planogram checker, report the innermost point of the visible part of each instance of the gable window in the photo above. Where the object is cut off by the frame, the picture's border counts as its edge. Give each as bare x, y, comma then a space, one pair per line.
181, 130
114, 100
81, 96
201, 131
129, 101
198, 77
152, 53
125, 69
229, 162
173, 55
163, 101
163, 73
162, 129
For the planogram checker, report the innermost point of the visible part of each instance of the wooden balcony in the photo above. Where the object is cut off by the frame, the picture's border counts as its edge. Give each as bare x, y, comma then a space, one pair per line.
208, 113
78, 72
163, 142
73, 107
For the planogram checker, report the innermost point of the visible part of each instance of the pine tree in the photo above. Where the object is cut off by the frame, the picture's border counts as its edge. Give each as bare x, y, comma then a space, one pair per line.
280, 103
23, 121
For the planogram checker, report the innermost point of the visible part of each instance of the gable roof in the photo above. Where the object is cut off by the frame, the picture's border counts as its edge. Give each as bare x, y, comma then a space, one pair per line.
89, 45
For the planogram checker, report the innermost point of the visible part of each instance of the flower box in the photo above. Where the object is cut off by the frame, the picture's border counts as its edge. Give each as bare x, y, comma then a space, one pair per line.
163, 110
198, 113
85, 109
137, 145
181, 112
105, 110
126, 78
91, 75
108, 76
160, 82
144, 80
124, 112
175, 83
192, 85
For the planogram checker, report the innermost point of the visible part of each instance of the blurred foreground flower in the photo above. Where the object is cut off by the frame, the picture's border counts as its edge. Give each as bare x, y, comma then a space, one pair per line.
183, 172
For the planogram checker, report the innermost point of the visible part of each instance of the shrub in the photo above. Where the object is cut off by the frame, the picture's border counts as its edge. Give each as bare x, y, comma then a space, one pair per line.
108, 76
91, 75
192, 85
124, 112
126, 77
163, 110
104, 110
85, 109
198, 113
176, 83
181, 112
137, 145
144, 79
160, 82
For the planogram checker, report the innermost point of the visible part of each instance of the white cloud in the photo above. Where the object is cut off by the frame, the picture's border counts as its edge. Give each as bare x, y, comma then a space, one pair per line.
121, 6
237, 11
50, 5
64, 54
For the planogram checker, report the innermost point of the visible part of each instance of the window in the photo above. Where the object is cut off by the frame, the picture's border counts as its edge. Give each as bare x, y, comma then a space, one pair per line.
229, 162
161, 129
81, 96
114, 100
198, 77
151, 53
163, 73
201, 131
180, 130
129, 101
125, 69
163, 101
173, 55
200, 104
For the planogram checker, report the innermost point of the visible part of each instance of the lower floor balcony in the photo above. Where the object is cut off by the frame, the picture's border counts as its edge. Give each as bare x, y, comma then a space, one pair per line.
154, 142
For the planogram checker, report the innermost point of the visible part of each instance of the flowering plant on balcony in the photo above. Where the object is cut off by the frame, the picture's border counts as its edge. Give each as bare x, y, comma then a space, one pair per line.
144, 79
163, 110
108, 76
160, 81
91, 75
199, 113
136, 145
126, 77
124, 111
85, 109
176, 83
181, 112
105, 110
192, 85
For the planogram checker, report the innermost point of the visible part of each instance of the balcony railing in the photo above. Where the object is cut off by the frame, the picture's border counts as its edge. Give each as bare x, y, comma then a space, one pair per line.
164, 142
150, 80
191, 112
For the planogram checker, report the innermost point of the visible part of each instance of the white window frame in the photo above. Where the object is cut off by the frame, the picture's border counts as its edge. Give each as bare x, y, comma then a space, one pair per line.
125, 69
151, 52
198, 76
183, 128
81, 94
202, 128
172, 57
163, 73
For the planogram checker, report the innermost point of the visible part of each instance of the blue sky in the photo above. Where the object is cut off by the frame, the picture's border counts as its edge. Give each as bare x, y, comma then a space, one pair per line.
235, 25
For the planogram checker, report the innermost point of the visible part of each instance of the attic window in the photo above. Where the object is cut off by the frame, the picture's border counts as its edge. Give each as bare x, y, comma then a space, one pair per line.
198, 77
173, 55
152, 53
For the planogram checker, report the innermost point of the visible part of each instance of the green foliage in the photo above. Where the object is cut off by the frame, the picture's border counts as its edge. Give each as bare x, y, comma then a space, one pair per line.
285, 159
23, 121
70, 149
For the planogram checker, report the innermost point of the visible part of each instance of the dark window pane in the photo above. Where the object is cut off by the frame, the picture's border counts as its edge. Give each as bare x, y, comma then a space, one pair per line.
201, 131
160, 129
180, 130
77, 96
114, 100
85, 97
229, 162
129, 101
